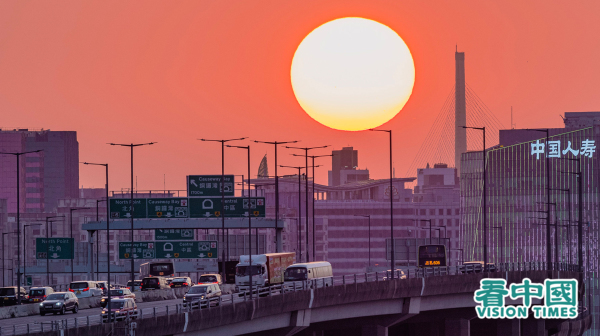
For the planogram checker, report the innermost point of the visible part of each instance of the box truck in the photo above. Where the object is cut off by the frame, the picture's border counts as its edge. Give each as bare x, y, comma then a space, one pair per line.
267, 269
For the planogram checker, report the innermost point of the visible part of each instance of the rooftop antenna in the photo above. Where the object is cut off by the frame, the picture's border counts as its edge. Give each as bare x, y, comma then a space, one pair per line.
511, 119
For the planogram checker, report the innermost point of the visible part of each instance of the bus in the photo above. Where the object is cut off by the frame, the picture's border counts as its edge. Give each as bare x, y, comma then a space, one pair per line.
157, 268
316, 273
432, 256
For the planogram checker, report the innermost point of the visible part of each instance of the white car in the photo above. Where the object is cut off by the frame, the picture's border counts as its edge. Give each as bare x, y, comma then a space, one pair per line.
85, 289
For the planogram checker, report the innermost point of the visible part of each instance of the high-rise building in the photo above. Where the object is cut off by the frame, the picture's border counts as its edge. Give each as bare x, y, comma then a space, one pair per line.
46, 176
344, 164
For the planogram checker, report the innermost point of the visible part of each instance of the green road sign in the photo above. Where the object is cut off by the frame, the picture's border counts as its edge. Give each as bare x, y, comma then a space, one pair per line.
174, 234
120, 208
140, 250
209, 185
54, 248
210, 207
28, 280
186, 250
167, 207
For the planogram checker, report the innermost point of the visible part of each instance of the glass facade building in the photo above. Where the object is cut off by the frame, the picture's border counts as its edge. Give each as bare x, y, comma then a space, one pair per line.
517, 200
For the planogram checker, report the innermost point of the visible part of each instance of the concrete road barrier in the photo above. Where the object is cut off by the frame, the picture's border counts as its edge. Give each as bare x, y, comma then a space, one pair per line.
19, 311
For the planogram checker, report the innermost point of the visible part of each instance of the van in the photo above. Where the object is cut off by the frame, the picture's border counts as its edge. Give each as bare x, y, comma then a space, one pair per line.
39, 294
155, 282
210, 278
85, 289
209, 292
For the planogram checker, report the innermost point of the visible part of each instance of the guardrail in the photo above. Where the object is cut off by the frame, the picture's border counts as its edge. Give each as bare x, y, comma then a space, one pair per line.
291, 287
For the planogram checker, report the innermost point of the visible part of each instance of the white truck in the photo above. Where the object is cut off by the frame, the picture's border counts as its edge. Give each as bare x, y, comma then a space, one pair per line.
267, 269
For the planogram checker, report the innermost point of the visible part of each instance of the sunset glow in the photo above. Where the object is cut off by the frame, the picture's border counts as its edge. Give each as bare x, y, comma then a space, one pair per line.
352, 74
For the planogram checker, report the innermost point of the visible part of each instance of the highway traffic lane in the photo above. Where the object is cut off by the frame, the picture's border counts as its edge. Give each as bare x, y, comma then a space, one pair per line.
81, 313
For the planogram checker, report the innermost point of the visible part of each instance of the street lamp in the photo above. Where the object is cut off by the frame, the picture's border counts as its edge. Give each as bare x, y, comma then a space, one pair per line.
393, 261
25, 248
461, 255
3, 259
313, 198
131, 207
369, 217
299, 238
548, 248
18, 155
98, 235
249, 219
568, 191
306, 149
73, 247
579, 212
426, 220
105, 165
485, 238
278, 244
224, 250
48, 234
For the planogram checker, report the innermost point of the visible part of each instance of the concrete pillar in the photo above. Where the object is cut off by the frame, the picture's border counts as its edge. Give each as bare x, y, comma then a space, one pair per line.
533, 327
374, 330
457, 327
508, 327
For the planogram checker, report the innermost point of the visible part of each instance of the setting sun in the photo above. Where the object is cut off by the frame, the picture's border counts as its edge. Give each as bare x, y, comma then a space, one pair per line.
352, 74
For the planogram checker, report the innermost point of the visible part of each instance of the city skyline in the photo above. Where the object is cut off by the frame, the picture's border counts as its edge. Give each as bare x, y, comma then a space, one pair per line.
136, 80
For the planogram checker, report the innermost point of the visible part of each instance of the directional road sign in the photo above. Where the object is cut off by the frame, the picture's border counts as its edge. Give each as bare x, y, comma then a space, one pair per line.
186, 250
174, 234
140, 250
210, 207
120, 208
209, 185
167, 207
54, 248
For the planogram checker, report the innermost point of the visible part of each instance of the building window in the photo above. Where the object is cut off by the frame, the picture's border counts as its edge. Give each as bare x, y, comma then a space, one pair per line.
422, 212
449, 212
432, 212
441, 212
457, 211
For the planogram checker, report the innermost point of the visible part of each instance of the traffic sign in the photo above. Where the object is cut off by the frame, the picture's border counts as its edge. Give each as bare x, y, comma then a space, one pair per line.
186, 250
174, 234
120, 208
167, 207
140, 250
54, 248
209, 185
210, 207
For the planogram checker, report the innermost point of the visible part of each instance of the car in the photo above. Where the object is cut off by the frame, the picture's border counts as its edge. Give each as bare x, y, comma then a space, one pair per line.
59, 302
120, 309
39, 294
121, 293
210, 278
85, 289
202, 292
181, 282
169, 280
399, 274
8, 295
103, 285
136, 286
150, 283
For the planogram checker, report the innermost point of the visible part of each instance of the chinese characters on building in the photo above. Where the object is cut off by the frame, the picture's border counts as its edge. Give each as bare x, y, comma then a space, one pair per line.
557, 150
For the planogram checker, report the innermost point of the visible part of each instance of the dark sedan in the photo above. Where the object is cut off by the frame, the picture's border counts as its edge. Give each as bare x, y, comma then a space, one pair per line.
8, 296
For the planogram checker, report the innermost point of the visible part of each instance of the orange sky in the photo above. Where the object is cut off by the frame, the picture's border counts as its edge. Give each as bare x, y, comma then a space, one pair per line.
175, 71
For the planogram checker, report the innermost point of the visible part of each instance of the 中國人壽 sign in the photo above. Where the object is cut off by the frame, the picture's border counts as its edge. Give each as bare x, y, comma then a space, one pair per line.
558, 149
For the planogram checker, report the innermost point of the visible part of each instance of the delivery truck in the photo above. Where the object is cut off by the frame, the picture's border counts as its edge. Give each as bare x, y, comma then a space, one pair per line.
267, 269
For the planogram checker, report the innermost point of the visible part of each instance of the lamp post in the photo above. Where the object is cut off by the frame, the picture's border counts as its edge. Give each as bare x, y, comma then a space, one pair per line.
461, 255
568, 191
299, 208
224, 254
548, 247
131, 146
249, 219
306, 149
275, 143
484, 172
369, 217
18, 155
98, 236
3, 259
313, 199
25, 248
105, 165
393, 261
48, 234
426, 220
73, 247
579, 212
